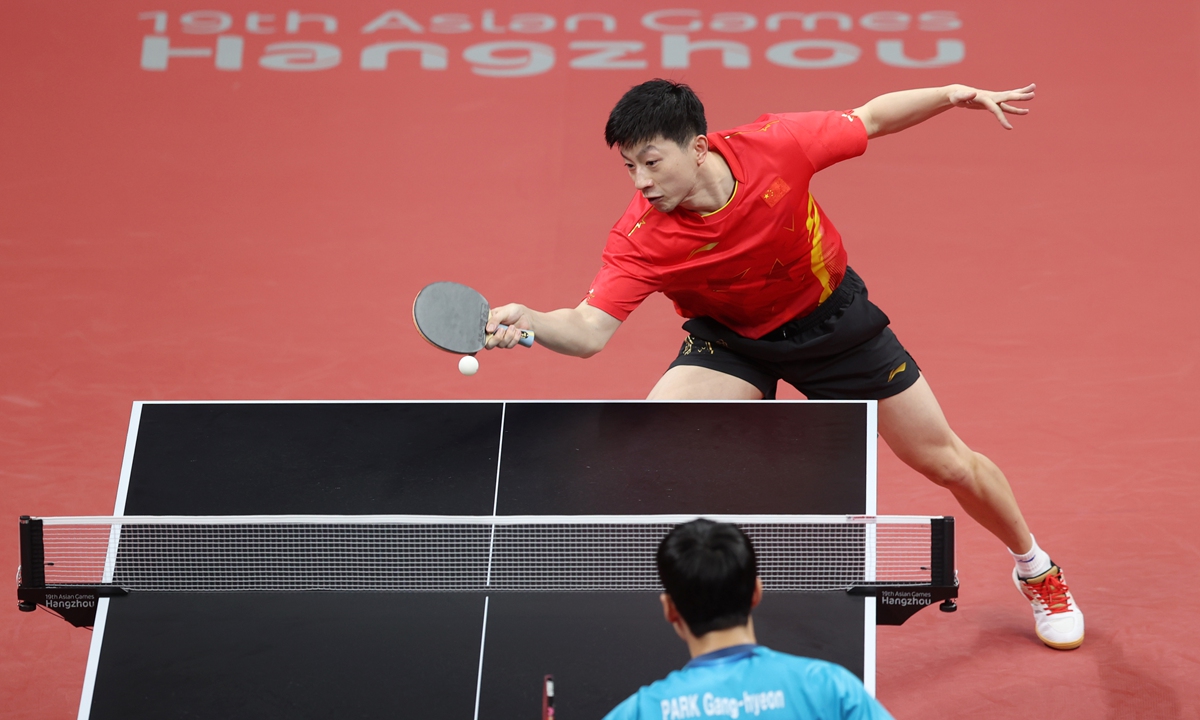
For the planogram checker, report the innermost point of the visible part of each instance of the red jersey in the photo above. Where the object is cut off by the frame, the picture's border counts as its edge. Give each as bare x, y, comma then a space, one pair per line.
768, 256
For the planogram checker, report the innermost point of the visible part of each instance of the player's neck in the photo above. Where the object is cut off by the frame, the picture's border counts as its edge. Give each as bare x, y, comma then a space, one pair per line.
721, 639
714, 186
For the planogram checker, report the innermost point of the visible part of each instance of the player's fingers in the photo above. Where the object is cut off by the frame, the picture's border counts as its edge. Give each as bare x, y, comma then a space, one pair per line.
995, 110
1012, 97
1020, 95
509, 337
1013, 110
497, 340
503, 314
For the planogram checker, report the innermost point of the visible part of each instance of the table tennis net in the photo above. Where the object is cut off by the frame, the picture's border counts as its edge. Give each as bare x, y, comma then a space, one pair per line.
424, 553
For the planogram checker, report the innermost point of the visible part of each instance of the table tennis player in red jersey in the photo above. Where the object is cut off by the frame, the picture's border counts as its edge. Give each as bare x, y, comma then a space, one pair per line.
724, 225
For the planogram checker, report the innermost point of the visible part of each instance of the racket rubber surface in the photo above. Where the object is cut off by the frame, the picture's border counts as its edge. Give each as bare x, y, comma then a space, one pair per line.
452, 317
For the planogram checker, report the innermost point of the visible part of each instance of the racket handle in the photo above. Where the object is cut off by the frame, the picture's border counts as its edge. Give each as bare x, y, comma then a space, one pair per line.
548, 697
526, 336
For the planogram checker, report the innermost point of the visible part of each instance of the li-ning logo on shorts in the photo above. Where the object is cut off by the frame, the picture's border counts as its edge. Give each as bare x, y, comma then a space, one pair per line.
897, 371
695, 346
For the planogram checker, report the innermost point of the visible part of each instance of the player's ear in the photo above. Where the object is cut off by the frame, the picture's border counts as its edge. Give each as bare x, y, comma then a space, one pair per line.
670, 614
699, 148
756, 598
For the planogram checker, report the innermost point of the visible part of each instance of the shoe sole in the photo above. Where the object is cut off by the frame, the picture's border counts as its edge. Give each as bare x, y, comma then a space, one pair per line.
1061, 646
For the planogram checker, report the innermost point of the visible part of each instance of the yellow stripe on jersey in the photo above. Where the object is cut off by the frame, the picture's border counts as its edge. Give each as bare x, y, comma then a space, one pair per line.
816, 234
641, 221
761, 129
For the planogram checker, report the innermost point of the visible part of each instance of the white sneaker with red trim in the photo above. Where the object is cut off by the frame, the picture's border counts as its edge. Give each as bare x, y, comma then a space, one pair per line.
1058, 619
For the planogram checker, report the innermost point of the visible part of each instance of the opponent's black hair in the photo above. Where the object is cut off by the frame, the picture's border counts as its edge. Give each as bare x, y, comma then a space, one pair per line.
709, 570
656, 107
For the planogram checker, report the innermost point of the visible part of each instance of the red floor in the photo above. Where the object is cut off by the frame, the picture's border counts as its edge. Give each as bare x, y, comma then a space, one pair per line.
197, 233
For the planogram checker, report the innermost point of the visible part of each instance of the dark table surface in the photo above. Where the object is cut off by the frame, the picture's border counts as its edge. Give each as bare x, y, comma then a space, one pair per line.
430, 654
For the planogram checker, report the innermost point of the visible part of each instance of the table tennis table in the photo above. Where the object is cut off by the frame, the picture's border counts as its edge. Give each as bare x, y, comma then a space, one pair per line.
461, 654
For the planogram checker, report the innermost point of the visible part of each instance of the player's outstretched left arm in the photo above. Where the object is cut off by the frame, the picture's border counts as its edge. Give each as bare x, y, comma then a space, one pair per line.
896, 111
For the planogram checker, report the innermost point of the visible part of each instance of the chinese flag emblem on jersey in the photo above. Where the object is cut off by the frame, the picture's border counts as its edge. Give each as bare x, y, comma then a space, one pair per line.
776, 192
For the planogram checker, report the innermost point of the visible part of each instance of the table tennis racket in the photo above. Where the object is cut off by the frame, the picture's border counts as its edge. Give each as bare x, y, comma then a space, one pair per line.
454, 317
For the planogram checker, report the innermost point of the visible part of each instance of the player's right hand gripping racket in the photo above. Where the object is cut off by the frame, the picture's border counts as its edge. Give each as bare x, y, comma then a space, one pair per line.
454, 317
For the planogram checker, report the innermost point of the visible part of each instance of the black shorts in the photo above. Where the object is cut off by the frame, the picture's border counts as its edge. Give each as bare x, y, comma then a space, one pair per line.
843, 350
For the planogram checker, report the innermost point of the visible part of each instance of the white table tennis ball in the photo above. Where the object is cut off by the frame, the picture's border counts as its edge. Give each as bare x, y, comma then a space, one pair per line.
468, 365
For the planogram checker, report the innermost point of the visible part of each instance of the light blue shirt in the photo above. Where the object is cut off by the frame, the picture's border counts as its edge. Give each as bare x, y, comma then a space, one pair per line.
751, 681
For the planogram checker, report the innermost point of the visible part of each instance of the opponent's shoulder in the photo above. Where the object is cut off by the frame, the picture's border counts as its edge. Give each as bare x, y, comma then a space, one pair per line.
813, 674
826, 684
649, 700
807, 665
629, 709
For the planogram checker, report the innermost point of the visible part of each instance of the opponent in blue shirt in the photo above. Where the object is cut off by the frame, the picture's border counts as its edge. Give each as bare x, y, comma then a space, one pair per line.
710, 575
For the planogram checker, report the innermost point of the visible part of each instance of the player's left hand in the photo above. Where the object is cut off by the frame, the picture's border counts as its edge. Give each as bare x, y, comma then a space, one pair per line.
995, 102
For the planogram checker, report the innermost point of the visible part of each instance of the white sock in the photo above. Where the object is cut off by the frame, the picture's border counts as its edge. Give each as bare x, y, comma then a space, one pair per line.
1033, 563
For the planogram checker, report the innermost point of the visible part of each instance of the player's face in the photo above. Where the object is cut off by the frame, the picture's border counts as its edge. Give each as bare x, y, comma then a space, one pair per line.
664, 173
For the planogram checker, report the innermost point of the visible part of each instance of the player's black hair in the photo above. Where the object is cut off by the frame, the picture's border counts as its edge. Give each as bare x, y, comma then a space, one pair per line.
654, 108
709, 570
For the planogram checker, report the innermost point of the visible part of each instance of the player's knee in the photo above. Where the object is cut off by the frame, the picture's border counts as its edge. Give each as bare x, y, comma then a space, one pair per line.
947, 469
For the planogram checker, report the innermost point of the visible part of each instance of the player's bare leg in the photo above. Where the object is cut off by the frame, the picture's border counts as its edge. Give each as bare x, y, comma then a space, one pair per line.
915, 429
689, 382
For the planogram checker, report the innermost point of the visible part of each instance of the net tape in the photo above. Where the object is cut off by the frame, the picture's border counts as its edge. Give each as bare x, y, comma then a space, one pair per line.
430, 553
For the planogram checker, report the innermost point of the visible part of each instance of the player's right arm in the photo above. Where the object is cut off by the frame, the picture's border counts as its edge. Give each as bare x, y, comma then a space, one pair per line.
581, 331
625, 279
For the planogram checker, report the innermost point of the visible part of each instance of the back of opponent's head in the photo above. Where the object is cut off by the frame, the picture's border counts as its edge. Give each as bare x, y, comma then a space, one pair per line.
656, 108
709, 570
